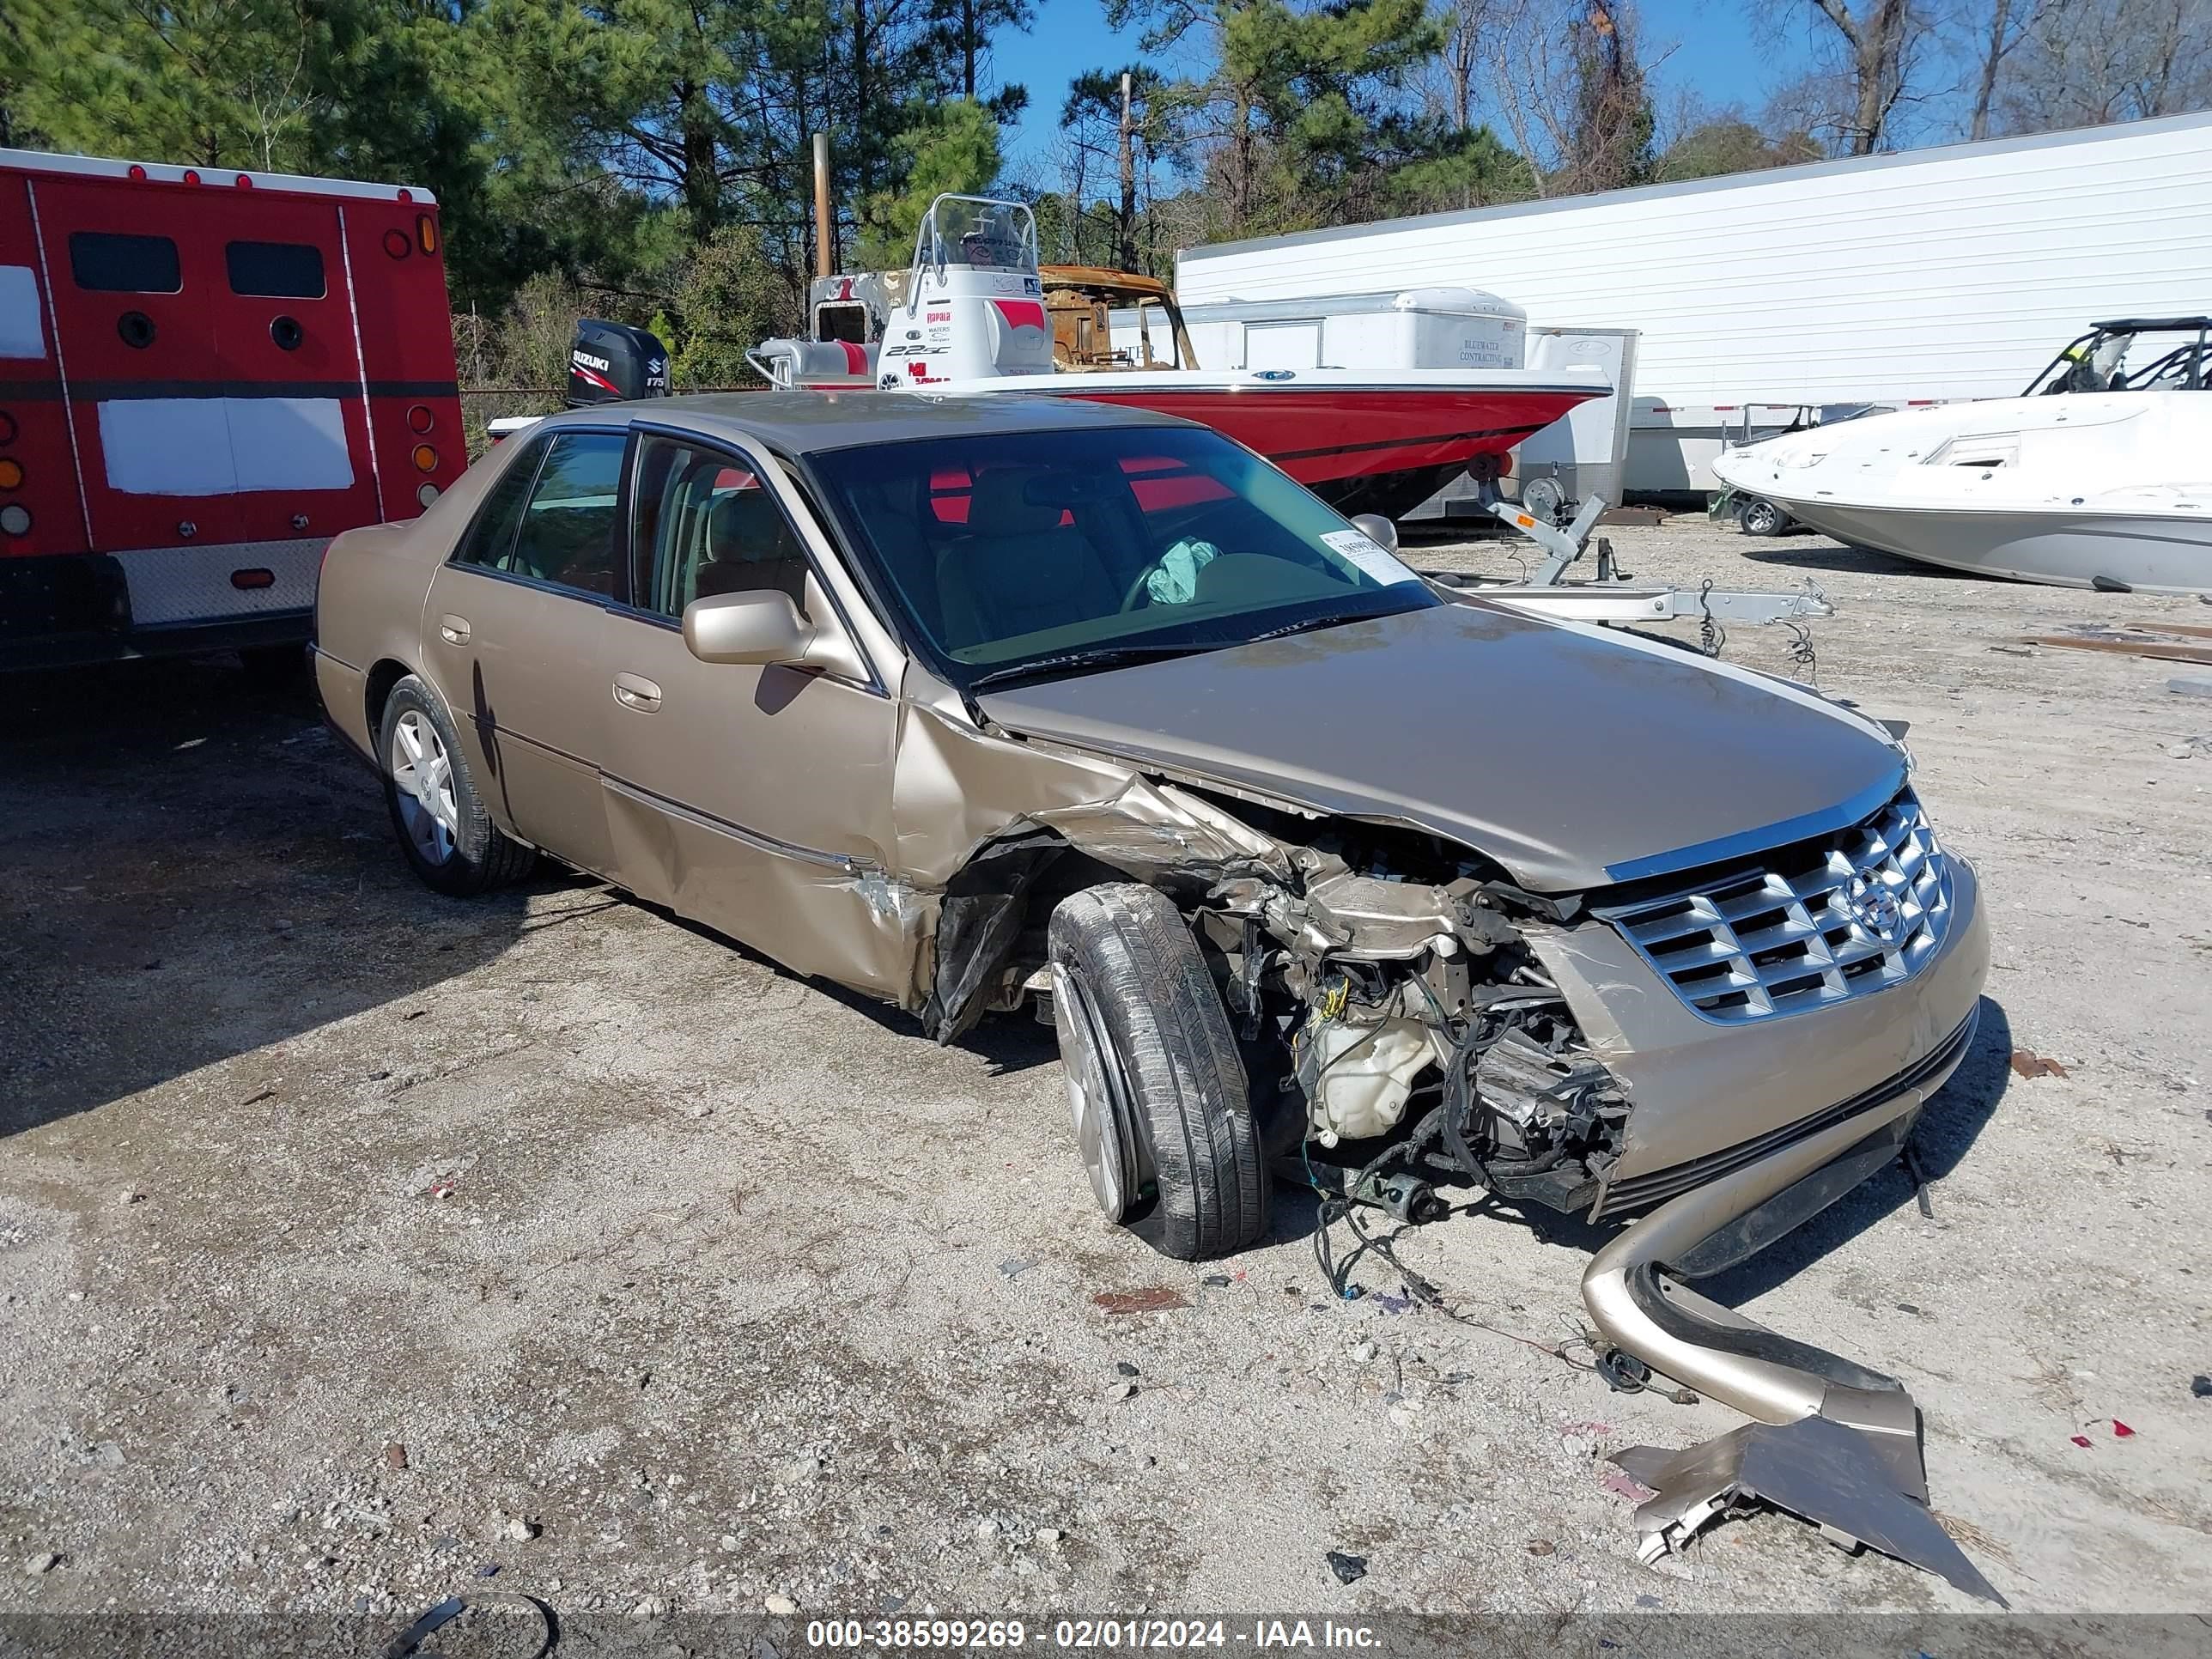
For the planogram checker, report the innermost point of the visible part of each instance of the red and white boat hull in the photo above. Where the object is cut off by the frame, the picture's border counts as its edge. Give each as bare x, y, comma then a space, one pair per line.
1362, 444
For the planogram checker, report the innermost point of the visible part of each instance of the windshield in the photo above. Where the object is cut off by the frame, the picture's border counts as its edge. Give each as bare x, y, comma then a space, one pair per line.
971, 230
1058, 552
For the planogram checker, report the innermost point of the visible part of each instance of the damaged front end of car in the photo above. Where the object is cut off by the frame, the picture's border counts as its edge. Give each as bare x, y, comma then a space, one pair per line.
1702, 1046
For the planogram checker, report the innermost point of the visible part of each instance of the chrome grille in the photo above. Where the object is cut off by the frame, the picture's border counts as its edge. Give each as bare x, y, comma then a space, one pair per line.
1838, 916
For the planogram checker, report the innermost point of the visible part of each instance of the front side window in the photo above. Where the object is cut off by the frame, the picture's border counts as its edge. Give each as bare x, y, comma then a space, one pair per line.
106, 262
275, 270
704, 523
1047, 552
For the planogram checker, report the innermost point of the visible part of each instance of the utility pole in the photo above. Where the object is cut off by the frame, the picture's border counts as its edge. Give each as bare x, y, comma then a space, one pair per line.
1125, 253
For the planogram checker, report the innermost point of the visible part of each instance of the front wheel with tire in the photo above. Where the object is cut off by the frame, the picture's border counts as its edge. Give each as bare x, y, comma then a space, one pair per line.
1155, 1087
443, 827
1760, 517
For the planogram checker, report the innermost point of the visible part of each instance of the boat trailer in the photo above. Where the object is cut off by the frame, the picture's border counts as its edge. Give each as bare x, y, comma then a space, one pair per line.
1612, 597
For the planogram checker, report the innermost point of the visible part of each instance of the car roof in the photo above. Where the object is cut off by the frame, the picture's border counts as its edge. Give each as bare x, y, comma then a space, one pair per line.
812, 422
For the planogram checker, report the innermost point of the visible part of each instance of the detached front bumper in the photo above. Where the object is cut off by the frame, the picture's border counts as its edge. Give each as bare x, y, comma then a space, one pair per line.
1727, 1195
1634, 1291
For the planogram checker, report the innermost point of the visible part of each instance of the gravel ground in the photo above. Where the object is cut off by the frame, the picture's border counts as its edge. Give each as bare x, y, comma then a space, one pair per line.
354, 1240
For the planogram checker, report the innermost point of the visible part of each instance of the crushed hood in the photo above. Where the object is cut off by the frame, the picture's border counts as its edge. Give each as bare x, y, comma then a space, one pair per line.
1573, 757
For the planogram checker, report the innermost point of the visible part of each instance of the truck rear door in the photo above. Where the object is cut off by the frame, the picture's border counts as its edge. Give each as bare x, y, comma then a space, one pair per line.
134, 278
289, 365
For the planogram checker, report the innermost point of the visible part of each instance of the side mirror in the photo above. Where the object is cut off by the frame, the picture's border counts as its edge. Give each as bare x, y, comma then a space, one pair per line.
759, 626
1377, 529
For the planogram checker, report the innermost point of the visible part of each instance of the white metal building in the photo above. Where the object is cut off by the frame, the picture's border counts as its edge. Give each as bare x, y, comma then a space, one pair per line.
1951, 272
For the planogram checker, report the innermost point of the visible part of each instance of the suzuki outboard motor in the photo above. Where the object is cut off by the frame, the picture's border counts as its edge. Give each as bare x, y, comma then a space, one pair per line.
612, 362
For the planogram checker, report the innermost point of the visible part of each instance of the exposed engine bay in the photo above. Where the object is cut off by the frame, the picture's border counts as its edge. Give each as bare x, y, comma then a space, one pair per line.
1383, 992
1404, 1003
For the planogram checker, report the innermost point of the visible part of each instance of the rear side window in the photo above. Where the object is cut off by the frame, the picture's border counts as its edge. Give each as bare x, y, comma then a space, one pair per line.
275, 270
567, 532
491, 540
107, 262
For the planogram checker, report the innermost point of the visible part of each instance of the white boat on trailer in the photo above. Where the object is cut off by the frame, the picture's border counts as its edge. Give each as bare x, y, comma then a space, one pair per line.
2107, 489
968, 317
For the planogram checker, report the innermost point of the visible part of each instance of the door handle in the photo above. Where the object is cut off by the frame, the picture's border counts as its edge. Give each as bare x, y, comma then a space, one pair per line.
455, 629
635, 691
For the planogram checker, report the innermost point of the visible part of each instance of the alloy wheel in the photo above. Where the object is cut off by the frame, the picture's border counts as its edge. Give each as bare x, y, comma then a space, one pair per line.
423, 775
1096, 1094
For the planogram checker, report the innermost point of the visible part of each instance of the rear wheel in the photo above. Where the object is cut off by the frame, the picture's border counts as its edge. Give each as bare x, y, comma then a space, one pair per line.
1155, 1088
1760, 517
443, 827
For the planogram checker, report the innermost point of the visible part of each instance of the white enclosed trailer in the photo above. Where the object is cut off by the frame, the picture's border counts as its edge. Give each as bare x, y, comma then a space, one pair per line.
1938, 274
1417, 328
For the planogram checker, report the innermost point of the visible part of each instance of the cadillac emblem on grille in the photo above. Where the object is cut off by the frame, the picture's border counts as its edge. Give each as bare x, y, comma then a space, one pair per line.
1875, 907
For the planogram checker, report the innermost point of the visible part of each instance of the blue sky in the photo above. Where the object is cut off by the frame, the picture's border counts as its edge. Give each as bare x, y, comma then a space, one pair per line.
1713, 51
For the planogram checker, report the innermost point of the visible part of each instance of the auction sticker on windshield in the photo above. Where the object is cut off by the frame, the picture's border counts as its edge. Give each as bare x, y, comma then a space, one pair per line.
1369, 555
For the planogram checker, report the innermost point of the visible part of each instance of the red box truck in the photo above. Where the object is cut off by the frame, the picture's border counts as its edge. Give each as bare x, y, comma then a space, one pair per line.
204, 376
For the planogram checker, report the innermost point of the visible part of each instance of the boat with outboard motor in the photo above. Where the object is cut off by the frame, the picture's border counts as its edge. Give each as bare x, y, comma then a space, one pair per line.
2107, 486
972, 315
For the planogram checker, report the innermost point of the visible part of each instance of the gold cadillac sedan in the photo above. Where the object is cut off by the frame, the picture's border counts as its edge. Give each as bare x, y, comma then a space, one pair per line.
976, 704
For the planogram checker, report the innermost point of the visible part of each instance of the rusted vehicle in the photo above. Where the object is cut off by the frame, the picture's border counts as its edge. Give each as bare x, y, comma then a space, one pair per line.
972, 702
1081, 300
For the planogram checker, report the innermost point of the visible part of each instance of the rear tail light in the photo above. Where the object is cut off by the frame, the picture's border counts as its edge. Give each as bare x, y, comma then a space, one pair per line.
426, 233
246, 581
420, 419
11, 473
426, 459
7, 427
396, 245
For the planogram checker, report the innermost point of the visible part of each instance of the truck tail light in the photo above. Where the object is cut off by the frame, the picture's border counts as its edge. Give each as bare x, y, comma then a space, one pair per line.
246, 580
11, 473
396, 245
7, 427
426, 233
420, 419
426, 459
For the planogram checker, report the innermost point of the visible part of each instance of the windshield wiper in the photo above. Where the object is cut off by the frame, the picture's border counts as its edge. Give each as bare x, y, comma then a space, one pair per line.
1101, 656
1334, 619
